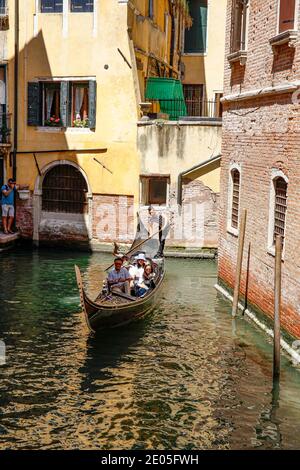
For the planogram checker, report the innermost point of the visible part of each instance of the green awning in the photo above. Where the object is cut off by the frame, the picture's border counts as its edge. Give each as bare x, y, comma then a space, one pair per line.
169, 93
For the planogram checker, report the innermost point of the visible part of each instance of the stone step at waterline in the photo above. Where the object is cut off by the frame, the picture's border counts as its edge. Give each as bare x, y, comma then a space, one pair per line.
6, 241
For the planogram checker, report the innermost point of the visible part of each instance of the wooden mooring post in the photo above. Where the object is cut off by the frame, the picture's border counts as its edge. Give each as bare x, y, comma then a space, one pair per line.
239, 264
277, 307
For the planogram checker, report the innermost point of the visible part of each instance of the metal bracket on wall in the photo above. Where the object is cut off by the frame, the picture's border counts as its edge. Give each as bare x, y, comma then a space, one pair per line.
100, 163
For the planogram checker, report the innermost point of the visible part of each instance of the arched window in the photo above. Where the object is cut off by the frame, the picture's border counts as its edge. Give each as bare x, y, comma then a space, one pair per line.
280, 189
65, 190
235, 204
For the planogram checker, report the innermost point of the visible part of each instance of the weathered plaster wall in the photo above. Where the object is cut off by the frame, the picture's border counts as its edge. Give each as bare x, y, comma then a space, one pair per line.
171, 148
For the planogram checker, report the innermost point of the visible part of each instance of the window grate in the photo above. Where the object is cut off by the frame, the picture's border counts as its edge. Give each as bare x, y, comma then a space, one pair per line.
280, 208
235, 198
65, 190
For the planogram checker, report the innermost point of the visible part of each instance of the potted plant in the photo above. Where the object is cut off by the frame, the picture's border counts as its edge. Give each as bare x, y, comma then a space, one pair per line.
78, 122
24, 192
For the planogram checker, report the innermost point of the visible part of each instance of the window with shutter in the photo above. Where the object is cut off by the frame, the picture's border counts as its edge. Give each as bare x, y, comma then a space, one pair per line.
239, 25
51, 6
280, 186
235, 175
34, 104
82, 6
51, 104
92, 103
287, 15
64, 103
196, 36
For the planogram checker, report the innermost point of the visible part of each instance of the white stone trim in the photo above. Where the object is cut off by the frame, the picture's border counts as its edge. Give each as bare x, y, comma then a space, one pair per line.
230, 229
294, 355
275, 174
288, 87
95, 19
36, 18
65, 22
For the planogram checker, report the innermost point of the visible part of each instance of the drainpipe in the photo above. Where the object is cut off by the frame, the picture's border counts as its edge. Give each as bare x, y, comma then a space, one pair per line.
16, 90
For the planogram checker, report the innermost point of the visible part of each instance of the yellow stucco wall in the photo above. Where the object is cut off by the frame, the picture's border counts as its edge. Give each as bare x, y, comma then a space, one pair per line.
208, 68
80, 45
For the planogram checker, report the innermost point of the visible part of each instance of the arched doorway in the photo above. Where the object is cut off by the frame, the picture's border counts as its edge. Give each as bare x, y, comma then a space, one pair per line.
62, 203
64, 190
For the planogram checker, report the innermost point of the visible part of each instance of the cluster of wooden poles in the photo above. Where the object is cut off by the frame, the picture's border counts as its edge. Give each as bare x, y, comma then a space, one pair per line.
277, 290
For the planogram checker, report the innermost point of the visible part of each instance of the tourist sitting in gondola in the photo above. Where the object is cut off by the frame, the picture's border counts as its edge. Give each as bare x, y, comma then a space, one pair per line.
136, 271
147, 281
119, 278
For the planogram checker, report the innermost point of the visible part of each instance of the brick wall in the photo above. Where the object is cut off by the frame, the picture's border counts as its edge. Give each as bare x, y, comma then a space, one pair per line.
262, 134
111, 218
24, 217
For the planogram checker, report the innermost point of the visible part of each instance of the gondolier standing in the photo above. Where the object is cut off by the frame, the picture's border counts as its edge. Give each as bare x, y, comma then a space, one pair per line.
8, 192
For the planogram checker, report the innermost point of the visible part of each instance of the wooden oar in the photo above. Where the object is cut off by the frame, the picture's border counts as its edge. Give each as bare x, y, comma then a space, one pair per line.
137, 246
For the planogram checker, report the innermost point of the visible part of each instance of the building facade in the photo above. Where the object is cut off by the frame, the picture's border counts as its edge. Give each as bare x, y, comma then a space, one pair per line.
260, 154
180, 159
81, 67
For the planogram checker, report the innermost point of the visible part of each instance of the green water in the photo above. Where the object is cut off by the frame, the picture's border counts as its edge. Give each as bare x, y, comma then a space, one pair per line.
187, 377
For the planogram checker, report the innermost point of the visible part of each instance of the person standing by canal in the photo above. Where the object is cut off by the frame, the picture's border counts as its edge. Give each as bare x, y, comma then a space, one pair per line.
8, 192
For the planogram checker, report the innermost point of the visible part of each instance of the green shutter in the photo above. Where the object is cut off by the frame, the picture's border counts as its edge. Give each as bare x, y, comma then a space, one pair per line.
64, 104
195, 37
34, 104
92, 103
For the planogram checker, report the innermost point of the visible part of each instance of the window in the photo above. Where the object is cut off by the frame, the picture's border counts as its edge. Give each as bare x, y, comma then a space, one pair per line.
239, 25
286, 15
280, 186
82, 6
154, 190
235, 207
64, 190
51, 108
62, 104
151, 8
196, 36
51, 6
193, 95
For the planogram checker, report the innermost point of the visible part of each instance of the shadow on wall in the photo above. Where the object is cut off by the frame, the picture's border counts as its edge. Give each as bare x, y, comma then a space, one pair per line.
57, 209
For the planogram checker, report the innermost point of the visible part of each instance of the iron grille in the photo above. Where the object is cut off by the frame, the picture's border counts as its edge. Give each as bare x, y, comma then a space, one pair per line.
280, 208
65, 190
235, 198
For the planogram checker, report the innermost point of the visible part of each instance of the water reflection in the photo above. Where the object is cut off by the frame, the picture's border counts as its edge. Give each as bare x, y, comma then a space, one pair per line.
187, 377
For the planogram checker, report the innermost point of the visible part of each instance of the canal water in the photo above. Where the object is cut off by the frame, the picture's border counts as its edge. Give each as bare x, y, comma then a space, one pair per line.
187, 377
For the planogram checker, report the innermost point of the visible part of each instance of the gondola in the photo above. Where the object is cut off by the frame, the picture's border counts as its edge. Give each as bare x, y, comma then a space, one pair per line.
114, 309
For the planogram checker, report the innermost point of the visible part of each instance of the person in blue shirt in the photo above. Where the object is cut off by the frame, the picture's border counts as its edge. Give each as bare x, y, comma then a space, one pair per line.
8, 192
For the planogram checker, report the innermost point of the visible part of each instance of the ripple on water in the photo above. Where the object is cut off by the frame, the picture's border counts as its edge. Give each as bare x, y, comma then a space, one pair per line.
187, 377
